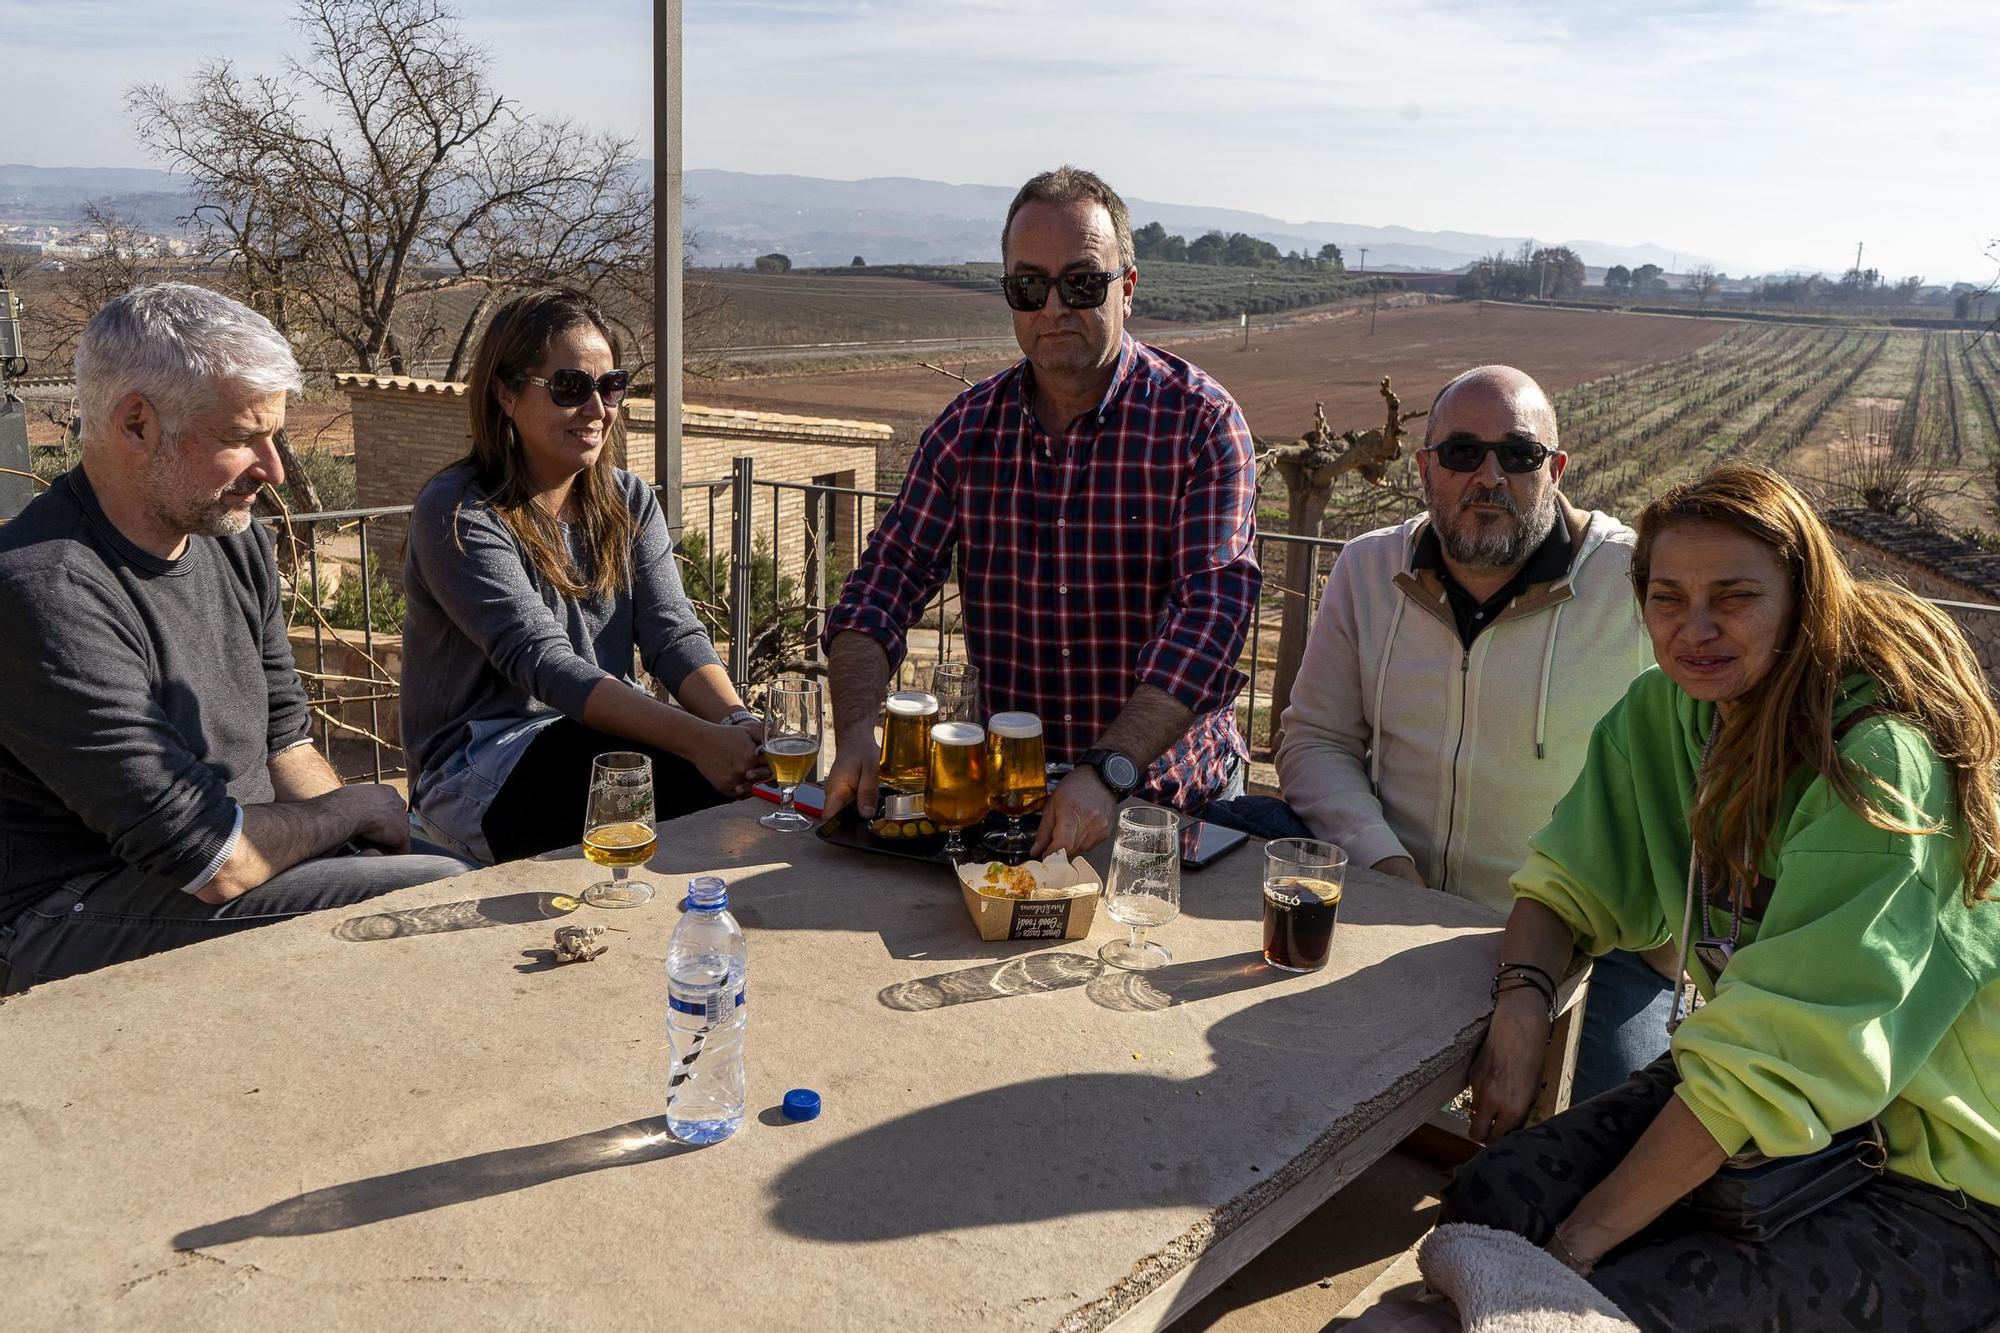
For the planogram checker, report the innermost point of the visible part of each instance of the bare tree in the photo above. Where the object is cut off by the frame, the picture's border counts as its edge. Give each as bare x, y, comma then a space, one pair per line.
1702, 282
380, 174
117, 257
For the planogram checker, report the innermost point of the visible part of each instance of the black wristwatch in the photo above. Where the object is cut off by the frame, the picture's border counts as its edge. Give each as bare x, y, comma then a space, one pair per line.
1115, 770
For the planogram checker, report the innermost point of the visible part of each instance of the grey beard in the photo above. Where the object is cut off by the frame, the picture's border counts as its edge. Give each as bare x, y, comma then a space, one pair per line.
1496, 549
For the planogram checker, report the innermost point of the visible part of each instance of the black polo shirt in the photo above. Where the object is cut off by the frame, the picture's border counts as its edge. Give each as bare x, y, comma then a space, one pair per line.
1549, 562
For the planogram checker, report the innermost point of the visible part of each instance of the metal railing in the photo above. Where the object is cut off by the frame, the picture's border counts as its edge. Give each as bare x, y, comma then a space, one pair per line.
1284, 591
765, 600
300, 541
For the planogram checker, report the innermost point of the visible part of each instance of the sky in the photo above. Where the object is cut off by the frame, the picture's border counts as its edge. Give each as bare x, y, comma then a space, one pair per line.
1769, 134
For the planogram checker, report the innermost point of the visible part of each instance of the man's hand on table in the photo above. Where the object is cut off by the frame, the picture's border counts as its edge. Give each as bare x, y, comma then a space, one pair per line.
1080, 814
1402, 867
856, 774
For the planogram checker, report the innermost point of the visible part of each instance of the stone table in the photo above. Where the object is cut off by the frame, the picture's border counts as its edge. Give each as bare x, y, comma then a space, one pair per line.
403, 1114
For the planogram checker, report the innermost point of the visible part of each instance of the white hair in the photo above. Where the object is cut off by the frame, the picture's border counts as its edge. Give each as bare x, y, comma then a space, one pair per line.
173, 342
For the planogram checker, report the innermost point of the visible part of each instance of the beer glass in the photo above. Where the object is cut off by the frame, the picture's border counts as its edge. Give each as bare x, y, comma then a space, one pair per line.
1017, 774
956, 685
1302, 880
955, 794
906, 740
618, 827
791, 744
1145, 886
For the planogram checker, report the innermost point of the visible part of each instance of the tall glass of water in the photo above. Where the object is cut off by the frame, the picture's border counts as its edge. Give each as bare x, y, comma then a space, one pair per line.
1145, 887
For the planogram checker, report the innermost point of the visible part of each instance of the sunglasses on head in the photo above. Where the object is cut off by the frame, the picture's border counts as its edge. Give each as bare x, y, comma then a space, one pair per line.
572, 388
1078, 291
1462, 453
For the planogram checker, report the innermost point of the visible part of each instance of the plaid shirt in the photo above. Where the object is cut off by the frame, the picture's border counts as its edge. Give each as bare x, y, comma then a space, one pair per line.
1116, 555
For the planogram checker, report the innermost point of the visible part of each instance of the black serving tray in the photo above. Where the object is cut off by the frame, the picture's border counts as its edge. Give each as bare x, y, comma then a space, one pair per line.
849, 829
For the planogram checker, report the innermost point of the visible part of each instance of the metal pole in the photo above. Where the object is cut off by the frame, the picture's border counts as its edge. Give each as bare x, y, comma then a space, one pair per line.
819, 545
667, 276
368, 650
742, 480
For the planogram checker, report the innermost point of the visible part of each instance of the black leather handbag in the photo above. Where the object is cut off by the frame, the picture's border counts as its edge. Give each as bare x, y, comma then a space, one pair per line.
1754, 1197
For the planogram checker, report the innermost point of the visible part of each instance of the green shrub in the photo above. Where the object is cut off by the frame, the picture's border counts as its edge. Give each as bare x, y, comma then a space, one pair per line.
385, 601
332, 475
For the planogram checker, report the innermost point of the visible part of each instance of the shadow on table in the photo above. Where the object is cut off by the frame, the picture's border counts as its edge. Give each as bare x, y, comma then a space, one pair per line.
507, 909
1115, 1142
441, 1184
1108, 987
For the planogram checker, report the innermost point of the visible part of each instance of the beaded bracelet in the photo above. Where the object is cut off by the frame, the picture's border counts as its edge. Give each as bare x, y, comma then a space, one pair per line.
1529, 967
1526, 983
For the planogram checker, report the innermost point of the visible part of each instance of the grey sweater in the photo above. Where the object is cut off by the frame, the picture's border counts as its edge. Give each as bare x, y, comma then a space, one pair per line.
486, 638
141, 699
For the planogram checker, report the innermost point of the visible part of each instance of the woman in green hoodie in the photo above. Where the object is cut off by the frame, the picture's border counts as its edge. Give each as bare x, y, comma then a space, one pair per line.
1802, 799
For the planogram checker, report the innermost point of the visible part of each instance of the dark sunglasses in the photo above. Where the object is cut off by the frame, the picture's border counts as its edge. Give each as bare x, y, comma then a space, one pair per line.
572, 388
1079, 291
1464, 454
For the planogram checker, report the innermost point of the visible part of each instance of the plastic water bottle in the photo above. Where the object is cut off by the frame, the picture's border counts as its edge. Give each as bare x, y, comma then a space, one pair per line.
705, 1018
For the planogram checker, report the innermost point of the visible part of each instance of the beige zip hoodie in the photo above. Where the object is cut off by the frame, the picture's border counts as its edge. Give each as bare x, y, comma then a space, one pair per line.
1401, 742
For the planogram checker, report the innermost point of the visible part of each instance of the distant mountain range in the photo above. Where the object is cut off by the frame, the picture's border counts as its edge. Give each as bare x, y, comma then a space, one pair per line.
737, 216
54, 196
899, 219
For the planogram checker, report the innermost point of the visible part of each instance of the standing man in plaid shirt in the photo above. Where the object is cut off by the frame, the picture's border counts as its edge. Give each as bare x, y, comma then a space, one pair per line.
1101, 498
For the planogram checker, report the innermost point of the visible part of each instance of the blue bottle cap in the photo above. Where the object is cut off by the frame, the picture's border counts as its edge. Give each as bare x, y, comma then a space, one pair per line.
801, 1104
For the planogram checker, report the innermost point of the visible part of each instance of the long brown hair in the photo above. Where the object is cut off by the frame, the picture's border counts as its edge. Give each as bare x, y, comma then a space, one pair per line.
1923, 669
515, 342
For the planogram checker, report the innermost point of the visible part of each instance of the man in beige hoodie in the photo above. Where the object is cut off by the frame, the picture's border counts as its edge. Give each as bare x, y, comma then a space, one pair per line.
1455, 671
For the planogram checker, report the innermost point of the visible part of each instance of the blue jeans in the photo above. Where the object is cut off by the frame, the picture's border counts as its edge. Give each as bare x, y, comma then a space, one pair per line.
97, 920
1624, 1023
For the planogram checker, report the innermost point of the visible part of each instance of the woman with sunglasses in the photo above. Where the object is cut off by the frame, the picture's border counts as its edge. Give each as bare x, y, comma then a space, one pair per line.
535, 568
1802, 800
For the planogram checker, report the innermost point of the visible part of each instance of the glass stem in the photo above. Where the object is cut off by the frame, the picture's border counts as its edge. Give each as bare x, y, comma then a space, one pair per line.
617, 878
786, 796
1139, 937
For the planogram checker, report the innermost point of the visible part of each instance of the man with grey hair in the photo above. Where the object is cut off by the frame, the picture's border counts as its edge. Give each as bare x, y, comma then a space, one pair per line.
157, 782
1099, 500
1457, 667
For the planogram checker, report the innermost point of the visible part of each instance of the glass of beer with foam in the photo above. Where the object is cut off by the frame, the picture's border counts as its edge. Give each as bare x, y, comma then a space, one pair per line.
618, 827
955, 794
1018, 777
906, 740
791, 744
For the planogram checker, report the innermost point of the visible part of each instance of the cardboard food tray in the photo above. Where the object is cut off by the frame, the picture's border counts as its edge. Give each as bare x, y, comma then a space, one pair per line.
848, 829
1067, 917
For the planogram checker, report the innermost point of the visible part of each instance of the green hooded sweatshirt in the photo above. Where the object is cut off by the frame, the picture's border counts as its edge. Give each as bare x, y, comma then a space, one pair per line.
1868, 987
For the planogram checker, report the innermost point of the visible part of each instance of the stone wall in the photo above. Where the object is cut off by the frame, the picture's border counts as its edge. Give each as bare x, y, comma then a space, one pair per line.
406, 429
337, 672
785, 448
1931, 564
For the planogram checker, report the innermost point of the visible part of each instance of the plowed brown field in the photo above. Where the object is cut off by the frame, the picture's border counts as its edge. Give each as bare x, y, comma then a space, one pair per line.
1286, 369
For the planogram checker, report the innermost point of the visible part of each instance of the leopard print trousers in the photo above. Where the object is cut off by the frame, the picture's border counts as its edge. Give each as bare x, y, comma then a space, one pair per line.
1894, 1255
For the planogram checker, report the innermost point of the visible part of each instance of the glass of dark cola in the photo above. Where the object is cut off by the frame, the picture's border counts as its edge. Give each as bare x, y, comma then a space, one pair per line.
1302, 879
